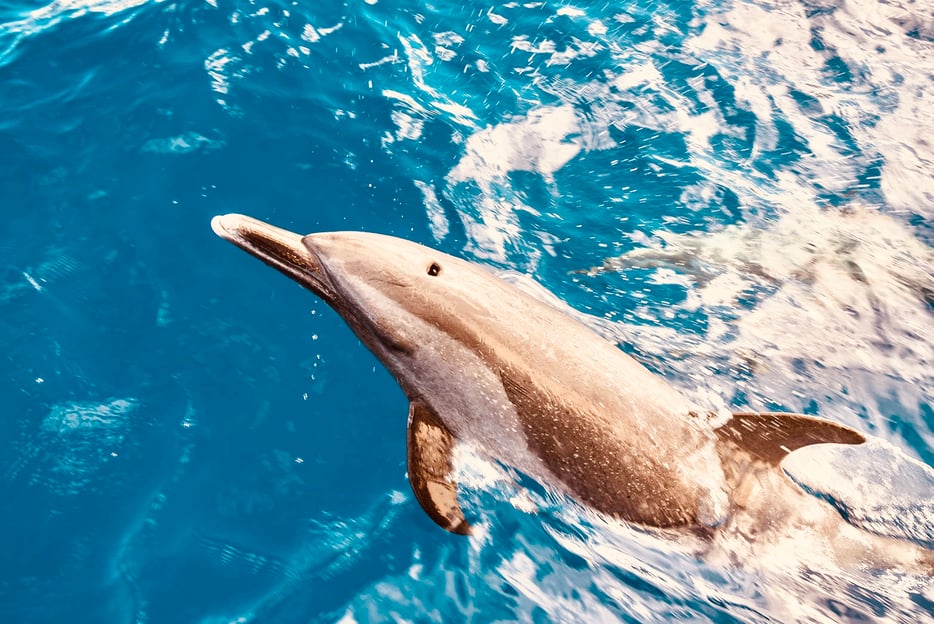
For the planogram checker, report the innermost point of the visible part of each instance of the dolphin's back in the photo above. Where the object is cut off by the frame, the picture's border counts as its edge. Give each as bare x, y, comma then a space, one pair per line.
616, 436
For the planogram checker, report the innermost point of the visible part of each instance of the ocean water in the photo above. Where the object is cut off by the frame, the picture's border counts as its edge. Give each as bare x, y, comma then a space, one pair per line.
740, 193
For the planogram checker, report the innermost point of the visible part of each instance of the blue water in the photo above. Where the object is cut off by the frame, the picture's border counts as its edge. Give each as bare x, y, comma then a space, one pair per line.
739, 193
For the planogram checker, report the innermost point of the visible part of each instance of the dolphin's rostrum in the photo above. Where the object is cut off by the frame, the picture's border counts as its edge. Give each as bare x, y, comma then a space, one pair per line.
483, 362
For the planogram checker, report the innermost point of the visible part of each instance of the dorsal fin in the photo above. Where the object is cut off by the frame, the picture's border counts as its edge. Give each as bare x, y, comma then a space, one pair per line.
429, 465
770, 436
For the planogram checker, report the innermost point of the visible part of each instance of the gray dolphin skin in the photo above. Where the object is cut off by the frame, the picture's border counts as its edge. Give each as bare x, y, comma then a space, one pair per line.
483, 362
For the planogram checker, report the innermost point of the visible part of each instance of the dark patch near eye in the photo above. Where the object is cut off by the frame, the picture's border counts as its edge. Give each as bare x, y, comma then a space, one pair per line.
434, 269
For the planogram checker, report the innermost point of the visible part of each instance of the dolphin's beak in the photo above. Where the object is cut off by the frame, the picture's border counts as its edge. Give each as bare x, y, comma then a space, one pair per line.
280, 249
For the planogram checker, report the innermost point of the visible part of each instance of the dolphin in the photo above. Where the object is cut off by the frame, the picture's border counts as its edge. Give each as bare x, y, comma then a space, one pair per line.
485, 363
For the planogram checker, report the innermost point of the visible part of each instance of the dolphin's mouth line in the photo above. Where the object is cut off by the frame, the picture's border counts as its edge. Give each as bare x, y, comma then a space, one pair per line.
280, 249
296, 256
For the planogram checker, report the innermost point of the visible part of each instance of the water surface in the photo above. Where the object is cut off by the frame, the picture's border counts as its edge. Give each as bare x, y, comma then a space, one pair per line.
737, 192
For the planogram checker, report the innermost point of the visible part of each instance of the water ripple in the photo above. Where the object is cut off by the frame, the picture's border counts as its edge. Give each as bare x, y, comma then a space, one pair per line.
28, 23
737, 192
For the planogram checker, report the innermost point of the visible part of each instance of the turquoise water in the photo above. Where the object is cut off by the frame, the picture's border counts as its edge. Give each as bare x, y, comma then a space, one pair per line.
738, 193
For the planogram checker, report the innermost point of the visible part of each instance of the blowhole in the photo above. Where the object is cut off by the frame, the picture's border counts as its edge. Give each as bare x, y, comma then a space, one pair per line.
434, 269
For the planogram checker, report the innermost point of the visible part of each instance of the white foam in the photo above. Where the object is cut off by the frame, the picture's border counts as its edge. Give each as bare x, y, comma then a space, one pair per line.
216, 65
542, 141
887, 106
58, 8
834, 273
437, 220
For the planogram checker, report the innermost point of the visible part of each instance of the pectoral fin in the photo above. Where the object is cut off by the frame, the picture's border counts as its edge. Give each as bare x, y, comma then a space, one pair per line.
429, 464
769, 436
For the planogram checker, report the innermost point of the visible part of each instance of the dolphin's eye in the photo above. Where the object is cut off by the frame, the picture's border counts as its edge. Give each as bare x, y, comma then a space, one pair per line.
434, 268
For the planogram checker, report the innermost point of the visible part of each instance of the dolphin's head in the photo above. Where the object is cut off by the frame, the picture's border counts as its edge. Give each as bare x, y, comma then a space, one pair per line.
390, 291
